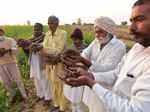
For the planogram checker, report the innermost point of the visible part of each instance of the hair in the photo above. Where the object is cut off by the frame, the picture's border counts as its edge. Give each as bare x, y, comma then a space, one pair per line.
77, 33
140, 2
53, 18
39, 25
1, 30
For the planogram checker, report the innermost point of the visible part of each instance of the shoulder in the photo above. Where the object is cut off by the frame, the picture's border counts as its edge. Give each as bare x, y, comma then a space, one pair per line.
118, 43
62, 31
10, 39
47, 33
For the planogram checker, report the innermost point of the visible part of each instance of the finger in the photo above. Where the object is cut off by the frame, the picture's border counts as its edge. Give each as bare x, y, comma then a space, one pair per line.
74, 69
67, 63
72, 81
70, 59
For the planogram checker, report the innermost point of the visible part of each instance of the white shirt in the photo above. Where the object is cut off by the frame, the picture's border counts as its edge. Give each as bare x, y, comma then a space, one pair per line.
131, 80
107, 58
102, 60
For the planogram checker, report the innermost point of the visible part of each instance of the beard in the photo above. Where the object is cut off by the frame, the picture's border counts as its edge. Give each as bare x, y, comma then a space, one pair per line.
103, 40
142, 39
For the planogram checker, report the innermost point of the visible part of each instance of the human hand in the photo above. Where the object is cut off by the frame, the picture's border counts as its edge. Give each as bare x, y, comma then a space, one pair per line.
35, 47
2, 51
78, 77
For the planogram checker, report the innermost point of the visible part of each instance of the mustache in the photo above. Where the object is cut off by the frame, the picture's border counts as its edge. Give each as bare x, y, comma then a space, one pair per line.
135, 33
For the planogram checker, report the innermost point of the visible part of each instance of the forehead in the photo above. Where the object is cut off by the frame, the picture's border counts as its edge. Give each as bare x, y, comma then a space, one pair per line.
37, 27
141, 10
97, 28
52, 21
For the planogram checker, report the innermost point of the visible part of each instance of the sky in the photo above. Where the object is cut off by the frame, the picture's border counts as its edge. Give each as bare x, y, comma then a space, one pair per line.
19, 11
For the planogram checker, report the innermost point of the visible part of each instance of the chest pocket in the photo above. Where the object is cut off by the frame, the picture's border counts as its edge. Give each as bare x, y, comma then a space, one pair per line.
124, 86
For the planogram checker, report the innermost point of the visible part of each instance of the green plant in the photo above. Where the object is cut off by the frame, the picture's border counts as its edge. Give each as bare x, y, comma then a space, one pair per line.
3, 99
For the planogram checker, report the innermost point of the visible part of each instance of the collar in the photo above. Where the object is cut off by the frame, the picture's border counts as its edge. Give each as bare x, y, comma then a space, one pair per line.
56, 32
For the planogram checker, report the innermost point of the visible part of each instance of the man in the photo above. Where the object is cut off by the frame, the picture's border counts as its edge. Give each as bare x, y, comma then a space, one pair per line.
32, 47
131, 79
53, 45
37, 70
75, 94
77, 39
9, 71
102, 55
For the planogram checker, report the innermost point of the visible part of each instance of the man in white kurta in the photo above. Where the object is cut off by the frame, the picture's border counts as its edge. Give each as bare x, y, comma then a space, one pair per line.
103, 54
102, 59
131, 79
74, 94
37, 71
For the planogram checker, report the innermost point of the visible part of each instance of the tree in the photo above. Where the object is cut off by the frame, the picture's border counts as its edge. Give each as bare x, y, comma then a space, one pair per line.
28, 22
79, 21
124, 23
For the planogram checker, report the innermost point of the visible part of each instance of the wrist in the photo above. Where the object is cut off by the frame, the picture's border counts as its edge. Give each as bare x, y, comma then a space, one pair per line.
91, 80
91, 83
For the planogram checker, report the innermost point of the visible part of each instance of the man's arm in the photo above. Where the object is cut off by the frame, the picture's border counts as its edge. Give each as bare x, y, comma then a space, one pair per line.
138, 102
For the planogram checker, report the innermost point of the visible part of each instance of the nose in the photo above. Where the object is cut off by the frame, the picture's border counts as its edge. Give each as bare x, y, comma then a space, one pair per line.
132, 28
96, 34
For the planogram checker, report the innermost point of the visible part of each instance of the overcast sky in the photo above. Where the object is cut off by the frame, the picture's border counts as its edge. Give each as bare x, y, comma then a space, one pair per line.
19, 11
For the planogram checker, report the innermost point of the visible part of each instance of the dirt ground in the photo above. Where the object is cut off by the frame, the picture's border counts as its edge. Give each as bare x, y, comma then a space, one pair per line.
33, 104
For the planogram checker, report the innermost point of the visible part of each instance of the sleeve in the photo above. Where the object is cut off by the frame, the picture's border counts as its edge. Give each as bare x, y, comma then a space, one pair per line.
138, 102
65, 41
111, 60
13, 46
109, 77
44, 41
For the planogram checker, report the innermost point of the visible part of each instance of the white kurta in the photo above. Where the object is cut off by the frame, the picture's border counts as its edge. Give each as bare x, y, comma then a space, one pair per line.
42, 85
102, 60
131, 91
74, 95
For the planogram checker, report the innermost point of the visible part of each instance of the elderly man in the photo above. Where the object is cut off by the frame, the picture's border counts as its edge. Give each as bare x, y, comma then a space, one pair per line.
53, 45
131, 79
9, 71
102, 55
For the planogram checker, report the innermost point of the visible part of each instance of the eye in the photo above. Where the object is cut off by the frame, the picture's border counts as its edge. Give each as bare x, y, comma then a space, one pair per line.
139, 19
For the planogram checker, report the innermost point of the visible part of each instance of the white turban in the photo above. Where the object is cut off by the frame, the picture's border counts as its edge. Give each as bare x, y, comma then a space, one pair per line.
106, 24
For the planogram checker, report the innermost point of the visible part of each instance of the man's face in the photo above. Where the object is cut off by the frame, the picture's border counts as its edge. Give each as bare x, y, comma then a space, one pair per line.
37, 30
52, 25
100, 34
77, 42
140, 24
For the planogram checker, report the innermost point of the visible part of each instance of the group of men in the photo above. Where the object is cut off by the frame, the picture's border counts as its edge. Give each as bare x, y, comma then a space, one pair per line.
101, 76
